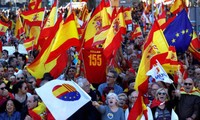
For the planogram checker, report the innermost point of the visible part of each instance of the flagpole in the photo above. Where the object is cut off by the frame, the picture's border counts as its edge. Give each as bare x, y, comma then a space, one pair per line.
152, 11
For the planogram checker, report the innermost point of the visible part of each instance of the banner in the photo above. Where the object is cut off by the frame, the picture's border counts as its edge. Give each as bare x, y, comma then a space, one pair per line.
95, 65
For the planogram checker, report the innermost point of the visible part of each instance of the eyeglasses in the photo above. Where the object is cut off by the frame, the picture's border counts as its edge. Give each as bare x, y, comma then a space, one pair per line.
20, 78
110, 76
188, 84
161, 93
3, 88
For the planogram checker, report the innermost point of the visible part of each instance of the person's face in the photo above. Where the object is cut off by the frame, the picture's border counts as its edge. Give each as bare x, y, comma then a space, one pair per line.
131, 85
20, 77
110, 78
2, 72
162, 95
31, 83
197, 74
24, 88
86, 87
133, 97
188, 85
31, 103
10, 107
122, 101
4, 55
71, 73
112, 101
14, 62
154, 88
2, 89
11, 71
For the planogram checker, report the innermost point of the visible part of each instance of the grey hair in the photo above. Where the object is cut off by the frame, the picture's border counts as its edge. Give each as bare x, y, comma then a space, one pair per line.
81, 81
112, 94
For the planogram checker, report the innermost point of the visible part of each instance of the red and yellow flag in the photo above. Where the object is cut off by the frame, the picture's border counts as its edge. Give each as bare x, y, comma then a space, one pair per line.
34, 4
101, 34
97, 21
137, 32
127, 15
19, 29
178, 6
156, 43
64, 40
29, 44
48, 25
114, 36
33, 17
195, 46
3, 27
38, 67
162, 18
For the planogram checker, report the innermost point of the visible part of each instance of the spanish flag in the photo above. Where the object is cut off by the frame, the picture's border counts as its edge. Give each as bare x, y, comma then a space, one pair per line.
64, 40
114, 36
195, 46
38, 67
97, 21
19, 29
156, 43
33, 17
3, 27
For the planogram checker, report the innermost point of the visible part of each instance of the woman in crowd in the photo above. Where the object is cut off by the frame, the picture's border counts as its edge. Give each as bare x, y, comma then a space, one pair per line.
11, 112
111, 111
161, 108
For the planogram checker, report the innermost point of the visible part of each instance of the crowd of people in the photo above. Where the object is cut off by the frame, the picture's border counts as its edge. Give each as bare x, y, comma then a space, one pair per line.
111, 100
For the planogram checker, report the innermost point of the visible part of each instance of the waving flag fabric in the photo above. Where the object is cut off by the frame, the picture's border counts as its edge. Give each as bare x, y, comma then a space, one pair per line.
137, 32
33, 17
195, 46
97, 21
37, 68
34, 4
59, 95
156, 43
48, 24
158, 73
114, 36
178, 6
179, 32
19, 30
127, 15
3, 27
66, 37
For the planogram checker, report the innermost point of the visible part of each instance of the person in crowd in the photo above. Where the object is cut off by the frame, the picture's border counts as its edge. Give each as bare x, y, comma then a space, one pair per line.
20, 94
110, 82
132, 97
5, 55
46, 77
161, 108
20, 76
123, 101
10, 70
88, 111
13, 62
188, 106
21, 61
154, 87
4, 94
111, 111
36, 109
11, 110
31, 84
70, 73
